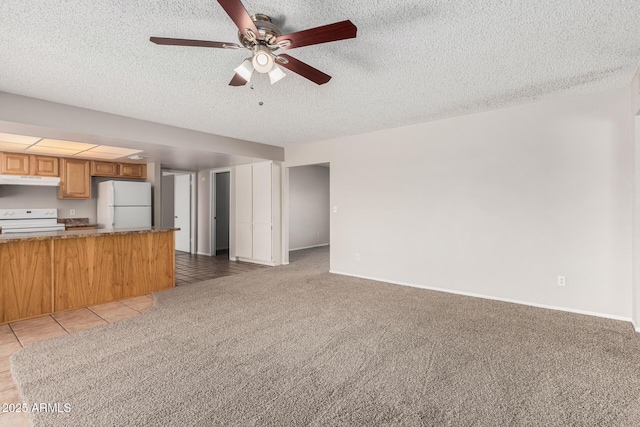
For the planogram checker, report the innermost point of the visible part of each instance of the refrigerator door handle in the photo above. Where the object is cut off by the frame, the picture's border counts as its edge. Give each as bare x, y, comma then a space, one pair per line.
113, 216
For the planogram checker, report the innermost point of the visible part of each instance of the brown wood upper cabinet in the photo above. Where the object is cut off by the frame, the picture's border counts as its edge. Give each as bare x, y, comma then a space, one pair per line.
104, 168
75, 179
14, 164
133, 170
43, 166
118, 170
25, 164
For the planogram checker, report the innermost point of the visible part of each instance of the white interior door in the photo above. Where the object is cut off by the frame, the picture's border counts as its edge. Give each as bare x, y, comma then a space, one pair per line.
262, 242
261, 183
182, 212
244, 212
262, 193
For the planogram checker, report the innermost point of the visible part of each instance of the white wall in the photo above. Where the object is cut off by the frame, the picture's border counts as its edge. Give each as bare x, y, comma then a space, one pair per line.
308, 206
21, 196
23, 115
636, 231
496, 204
154, 176
25, 196
167, 206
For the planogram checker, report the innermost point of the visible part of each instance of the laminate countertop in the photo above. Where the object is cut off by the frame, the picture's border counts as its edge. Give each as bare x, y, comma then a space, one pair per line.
79, 234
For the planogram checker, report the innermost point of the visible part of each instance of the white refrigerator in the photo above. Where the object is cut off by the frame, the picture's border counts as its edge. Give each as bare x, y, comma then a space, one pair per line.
124, 204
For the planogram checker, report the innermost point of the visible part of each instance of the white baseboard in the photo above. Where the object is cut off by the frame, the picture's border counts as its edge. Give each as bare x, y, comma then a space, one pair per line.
255, 261
308, 247
203, 253
471, 294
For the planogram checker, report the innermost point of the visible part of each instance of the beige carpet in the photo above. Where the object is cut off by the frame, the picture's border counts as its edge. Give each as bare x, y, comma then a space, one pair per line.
296, 345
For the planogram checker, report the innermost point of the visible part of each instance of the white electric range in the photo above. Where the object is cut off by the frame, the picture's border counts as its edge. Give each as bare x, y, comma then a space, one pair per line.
29, 220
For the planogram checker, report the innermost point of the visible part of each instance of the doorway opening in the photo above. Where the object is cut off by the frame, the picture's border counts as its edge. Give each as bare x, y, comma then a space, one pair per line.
178, 207
309, 208
220, 220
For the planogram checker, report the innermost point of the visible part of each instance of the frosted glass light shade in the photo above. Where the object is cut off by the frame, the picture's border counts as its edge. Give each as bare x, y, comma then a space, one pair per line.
262, 60
245, 70
276, 74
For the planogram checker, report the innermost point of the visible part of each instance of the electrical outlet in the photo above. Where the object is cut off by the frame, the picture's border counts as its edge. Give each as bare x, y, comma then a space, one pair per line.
562, 281
72, 212
335, 209
357, 257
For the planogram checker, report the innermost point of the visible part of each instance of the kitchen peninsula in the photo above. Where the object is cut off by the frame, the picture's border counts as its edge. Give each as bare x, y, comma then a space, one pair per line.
42, 273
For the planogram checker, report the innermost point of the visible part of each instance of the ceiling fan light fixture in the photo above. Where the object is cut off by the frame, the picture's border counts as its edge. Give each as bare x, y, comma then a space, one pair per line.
276, 74
245, 70
262, 60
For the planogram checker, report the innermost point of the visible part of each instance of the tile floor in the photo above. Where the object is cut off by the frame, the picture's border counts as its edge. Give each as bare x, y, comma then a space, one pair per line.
196, 268
15, 335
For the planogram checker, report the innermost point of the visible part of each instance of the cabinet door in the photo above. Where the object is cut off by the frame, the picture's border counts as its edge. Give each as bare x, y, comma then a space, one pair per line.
262, 193
25, 279
75, 179
244, 212
104, 169
44, 165
133, 170
14, 164
262, 242
244, 240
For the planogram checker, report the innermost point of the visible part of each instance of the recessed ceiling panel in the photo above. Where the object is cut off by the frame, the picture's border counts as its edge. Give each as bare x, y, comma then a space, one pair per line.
8, 146
108, 149
51, 150
18, 139
67, 145
93, 155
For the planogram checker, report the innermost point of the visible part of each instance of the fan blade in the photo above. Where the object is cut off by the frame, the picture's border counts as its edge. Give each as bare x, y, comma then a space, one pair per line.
187, 42
239, 16
237, 81
327, 33
305, 70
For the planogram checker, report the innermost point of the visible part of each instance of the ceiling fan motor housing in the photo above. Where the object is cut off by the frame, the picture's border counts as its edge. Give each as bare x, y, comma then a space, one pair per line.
268, 32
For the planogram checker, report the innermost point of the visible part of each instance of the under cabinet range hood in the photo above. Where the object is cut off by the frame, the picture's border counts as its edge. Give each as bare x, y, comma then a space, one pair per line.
29, 180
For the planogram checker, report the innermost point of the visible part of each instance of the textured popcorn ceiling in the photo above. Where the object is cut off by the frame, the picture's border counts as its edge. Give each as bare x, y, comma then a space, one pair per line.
412, 61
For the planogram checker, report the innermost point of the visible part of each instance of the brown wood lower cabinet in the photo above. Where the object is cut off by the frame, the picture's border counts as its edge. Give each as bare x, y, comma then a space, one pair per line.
43, 276
25, 280
95, 270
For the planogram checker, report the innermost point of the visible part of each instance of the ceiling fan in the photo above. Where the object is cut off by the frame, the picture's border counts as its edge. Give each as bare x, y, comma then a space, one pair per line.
258, 34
